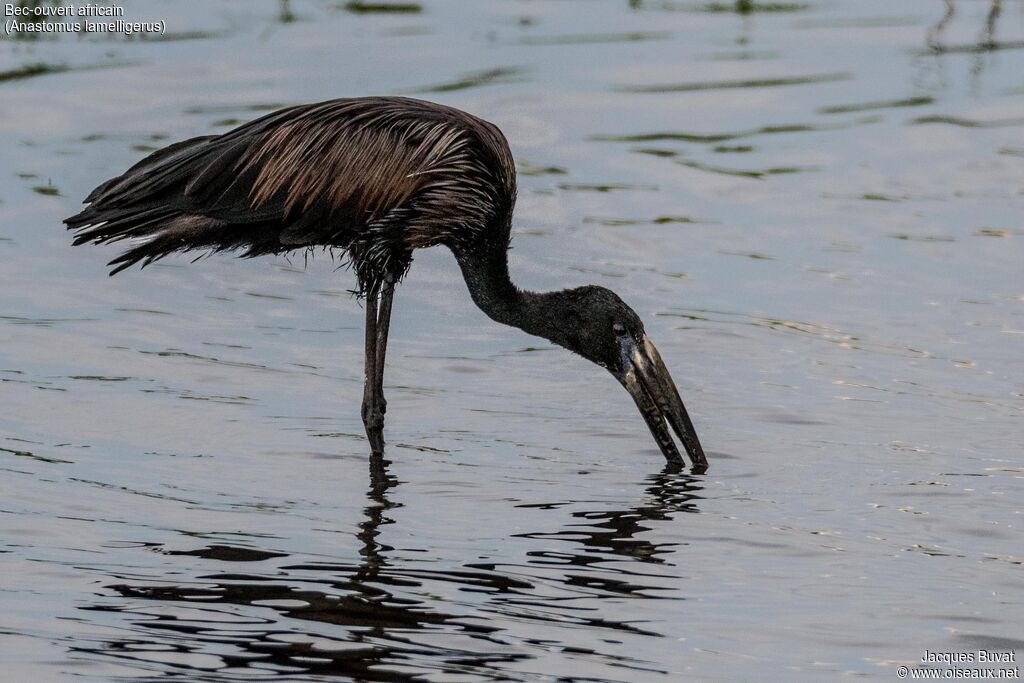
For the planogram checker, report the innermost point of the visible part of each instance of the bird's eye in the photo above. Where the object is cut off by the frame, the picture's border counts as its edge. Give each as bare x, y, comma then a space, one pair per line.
618, 328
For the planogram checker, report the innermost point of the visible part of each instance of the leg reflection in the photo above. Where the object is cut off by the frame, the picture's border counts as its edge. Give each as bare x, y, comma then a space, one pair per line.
374, 517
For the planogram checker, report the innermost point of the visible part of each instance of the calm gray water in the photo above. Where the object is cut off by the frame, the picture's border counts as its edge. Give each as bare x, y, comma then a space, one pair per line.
816, 208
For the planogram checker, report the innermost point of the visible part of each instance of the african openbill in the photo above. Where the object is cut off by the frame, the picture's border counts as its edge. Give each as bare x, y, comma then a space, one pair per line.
377, 177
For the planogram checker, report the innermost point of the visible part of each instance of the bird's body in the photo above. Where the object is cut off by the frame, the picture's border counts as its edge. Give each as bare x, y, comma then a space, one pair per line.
377, 178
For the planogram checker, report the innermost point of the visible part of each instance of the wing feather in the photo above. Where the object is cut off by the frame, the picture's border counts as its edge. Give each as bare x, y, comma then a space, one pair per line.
401, 173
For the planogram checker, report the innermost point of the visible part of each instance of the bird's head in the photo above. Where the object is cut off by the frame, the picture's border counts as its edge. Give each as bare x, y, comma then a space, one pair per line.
595, 323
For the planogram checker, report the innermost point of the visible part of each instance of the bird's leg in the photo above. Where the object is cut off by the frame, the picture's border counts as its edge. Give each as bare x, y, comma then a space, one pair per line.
374, 427
378, 321
380, 405
383, 325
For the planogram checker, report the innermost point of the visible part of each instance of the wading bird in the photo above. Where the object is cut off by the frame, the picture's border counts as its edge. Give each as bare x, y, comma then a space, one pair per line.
377, 177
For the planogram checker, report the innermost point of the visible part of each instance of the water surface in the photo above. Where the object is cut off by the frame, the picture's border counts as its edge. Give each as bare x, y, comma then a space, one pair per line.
814, 206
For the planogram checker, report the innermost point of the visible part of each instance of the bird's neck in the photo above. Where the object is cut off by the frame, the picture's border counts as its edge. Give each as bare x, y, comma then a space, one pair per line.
486, 274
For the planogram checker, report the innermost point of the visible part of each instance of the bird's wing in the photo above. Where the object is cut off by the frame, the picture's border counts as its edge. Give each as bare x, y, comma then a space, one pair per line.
315, 174
351, 157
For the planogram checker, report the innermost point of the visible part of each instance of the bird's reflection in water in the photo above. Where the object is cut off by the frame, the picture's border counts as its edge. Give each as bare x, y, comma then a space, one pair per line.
930, 63
378, 620
380, 481
986, 40
934, 35
616, 531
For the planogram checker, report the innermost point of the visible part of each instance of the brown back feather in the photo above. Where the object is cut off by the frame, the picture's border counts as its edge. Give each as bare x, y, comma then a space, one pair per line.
365, 159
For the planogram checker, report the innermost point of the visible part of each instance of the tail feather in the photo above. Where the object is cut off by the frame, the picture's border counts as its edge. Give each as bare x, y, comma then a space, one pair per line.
116, 226
144, 204
152, 250
162, 235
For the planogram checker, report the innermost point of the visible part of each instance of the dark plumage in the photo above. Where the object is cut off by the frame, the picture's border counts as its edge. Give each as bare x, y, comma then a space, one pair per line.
378, 178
